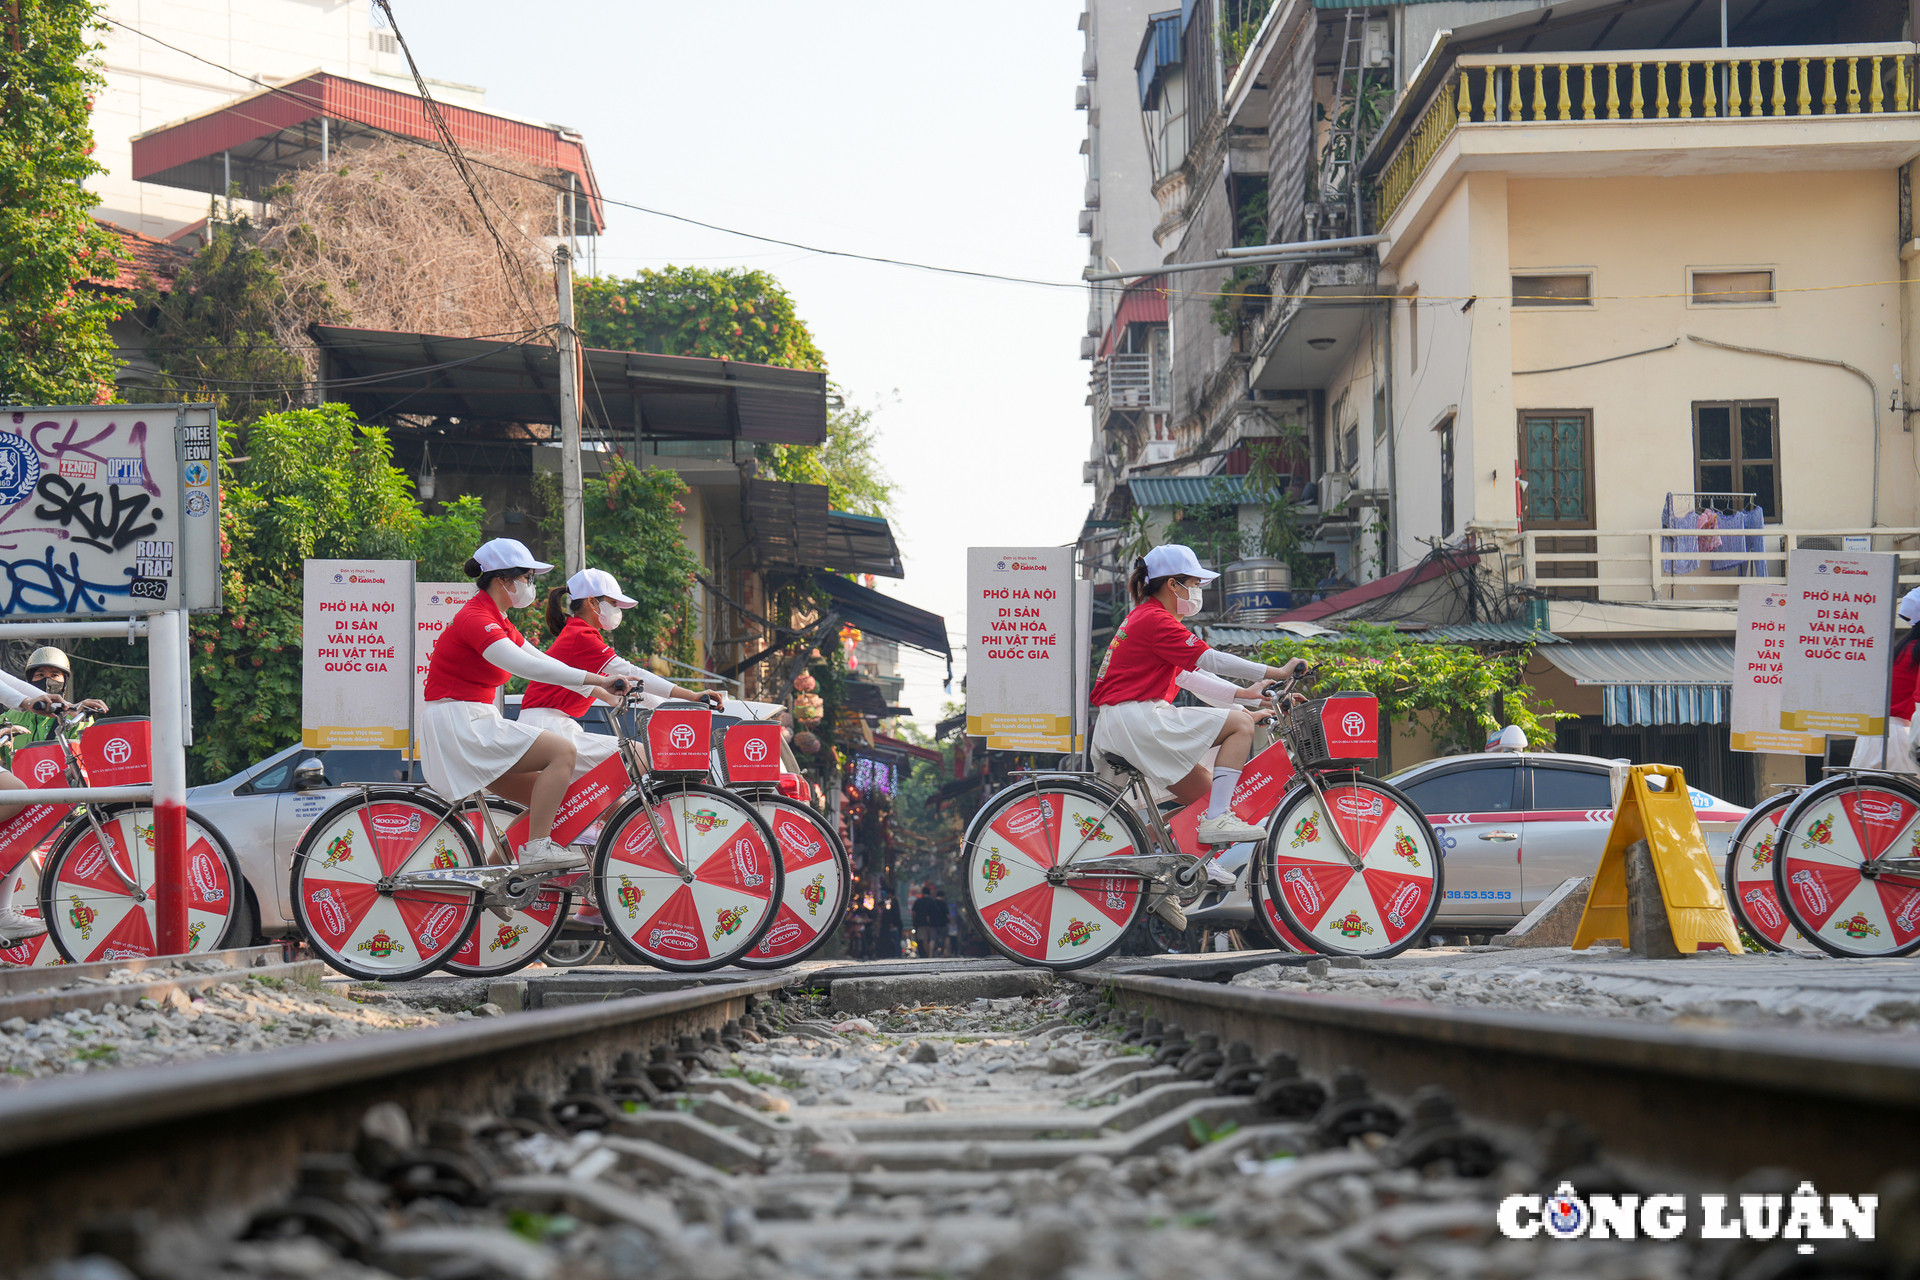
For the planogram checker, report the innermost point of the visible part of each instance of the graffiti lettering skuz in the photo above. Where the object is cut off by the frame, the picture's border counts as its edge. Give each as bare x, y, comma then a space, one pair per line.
111, 521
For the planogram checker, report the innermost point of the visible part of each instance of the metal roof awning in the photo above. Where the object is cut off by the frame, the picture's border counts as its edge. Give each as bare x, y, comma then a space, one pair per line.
886, 617
862, 544
1652, 682
624, 393
255, 141
1190, 491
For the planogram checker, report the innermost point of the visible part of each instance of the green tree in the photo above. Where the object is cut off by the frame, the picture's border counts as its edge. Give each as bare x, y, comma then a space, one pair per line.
215, 335
54, 347
732, 313
444, 543
1451, 688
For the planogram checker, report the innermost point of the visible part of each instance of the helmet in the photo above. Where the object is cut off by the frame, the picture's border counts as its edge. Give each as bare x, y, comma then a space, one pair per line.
48, 656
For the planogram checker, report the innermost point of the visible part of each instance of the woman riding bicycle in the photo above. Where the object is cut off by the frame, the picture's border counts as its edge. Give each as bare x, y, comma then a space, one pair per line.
593, 604
1150, 659
17, 695
466, 744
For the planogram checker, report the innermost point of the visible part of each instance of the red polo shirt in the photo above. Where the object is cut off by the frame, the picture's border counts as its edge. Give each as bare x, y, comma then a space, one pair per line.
581, 646
1150, 649
456, 668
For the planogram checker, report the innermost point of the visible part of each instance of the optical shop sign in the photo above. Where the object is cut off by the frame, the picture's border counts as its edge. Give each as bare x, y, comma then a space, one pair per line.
356, 642
1839, 621
1026, 670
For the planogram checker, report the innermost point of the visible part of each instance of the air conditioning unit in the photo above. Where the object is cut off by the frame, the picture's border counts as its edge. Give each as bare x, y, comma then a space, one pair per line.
1090, 63
1093, 194
1086, 222
1089, 347
1095, 326
1082, 97
1334, 488
1376, 45
1089, 473
1158, 451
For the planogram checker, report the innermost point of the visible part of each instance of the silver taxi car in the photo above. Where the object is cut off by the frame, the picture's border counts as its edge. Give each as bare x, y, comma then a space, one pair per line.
1512, 826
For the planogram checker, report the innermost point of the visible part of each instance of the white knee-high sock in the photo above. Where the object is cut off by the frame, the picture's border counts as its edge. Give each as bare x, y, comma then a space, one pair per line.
1224, 781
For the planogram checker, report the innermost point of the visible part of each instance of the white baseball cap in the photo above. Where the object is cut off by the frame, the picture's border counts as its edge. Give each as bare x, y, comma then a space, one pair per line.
1174, 560
1910, 607
588, 583
505, 553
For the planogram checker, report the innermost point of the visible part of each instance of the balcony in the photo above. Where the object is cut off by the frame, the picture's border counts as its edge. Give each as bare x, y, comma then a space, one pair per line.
1656, 110
1638, 565
1128, 381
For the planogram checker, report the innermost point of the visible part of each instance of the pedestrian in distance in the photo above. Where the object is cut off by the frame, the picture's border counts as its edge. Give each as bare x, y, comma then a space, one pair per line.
929, 916
1895, 752
950, 945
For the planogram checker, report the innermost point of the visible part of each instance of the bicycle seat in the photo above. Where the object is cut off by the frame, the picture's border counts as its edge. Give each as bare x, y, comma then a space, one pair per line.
1119, 764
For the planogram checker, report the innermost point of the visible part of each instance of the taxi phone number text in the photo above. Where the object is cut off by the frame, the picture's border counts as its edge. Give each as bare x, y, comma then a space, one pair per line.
1502, 895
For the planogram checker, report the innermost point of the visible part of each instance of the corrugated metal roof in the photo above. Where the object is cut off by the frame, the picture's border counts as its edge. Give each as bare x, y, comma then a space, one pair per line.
1690, 660
1189, 491
1459, 633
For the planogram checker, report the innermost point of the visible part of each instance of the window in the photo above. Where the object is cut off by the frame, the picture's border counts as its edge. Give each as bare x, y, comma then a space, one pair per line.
1731, 288
1445, 431
1571, 290
1556, 461
1556, 787
1485, 789
1736, 449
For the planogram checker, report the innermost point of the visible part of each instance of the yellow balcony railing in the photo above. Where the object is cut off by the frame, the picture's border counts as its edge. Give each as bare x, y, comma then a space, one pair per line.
1665, 84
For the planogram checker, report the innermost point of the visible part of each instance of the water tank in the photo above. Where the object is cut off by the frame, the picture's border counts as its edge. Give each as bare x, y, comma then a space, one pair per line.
1257, 590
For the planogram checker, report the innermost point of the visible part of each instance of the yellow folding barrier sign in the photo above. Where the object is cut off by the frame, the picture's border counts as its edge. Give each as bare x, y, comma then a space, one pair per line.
1696, 907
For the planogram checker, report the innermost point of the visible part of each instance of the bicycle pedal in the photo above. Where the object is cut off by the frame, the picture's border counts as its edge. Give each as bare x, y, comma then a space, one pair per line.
505, 913
1169, 910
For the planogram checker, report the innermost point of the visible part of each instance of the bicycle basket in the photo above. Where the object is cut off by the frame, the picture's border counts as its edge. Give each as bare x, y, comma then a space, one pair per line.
1345, 726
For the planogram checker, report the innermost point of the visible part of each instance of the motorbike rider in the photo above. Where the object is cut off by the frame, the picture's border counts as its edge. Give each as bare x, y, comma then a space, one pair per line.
49, 671
17, 695
1152, 656
466, 744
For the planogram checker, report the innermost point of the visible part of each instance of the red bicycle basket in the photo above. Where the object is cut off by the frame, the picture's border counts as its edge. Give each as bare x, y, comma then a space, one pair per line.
1345, 726
679, 738
118, 752
751, 753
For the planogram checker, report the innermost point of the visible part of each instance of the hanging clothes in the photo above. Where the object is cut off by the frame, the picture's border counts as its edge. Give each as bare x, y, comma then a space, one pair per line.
1689, 545
1727, 520
1755, 517
1709, 519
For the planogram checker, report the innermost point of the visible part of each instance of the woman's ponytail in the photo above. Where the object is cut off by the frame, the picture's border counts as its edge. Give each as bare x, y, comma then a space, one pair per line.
1137, 580
556, 610
471, 568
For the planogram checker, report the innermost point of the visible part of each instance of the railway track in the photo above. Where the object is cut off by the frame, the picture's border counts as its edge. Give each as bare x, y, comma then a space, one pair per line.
999, 1137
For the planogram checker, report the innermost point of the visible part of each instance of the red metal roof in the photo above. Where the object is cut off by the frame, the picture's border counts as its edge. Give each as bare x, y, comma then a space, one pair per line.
1444, 563
1144, 302
265, 134
140, 257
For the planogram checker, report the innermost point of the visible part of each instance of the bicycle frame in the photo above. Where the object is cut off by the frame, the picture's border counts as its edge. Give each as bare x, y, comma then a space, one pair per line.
76, 777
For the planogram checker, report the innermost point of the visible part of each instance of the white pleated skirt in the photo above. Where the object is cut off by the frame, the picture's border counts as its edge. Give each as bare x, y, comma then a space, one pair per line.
464, 746
589, 749
1899, 743
1159, 739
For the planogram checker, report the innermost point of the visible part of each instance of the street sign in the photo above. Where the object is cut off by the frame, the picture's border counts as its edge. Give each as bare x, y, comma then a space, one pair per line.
356, 653
1026, 641
1759, 664
109, 510
434, 605
1839, 619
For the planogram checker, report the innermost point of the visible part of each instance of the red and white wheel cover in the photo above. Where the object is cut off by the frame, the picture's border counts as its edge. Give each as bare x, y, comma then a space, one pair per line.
1823, 853
1755, 900
501, 944
1363, 910
1282, 932
364, 927
36, 952
815, 884
98, 919
688, 923
1045, 922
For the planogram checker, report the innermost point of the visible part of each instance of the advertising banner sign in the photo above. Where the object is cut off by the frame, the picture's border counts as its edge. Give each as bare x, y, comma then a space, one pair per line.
1026, 669
1839, 619
108, 510
434, 604
1759, 666
356, 653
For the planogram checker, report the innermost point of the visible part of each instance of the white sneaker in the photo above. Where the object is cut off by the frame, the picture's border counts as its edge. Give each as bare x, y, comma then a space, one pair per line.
543, 855
17, 926
1217, 876
1167, 909
1227, 829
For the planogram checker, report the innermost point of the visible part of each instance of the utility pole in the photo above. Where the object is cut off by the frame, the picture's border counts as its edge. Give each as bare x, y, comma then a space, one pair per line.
572, 504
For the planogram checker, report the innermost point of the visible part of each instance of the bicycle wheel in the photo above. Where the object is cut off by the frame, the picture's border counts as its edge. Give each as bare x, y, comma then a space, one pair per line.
572, 953
92, 915
1748, 875
1024, 833
1819, 871
814, 865
38, 952
497, 948
340, 910
714, 913
1379, 909
1267, 917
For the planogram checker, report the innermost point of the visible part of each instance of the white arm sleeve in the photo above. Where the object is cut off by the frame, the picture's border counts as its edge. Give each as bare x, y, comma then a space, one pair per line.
1226, 664
651, 682
17, 693
526, 661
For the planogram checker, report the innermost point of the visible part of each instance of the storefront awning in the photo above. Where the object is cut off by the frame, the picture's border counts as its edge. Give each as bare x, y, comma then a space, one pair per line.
1649, 682
886, 617
862, 544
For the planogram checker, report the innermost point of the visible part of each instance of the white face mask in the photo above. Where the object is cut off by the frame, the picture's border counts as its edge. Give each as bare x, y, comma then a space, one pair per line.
520, 593
1186, 605
610, 616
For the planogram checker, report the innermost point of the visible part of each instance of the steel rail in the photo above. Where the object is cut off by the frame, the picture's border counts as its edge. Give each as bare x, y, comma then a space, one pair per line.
1692, 1102
211, 1141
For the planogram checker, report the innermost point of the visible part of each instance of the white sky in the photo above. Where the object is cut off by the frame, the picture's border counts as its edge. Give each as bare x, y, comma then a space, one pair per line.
941, 133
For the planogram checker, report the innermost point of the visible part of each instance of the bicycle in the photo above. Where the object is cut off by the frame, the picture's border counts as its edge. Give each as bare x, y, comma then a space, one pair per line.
96, 888
1846, 867
1349, 871
1748, 875
681, 888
